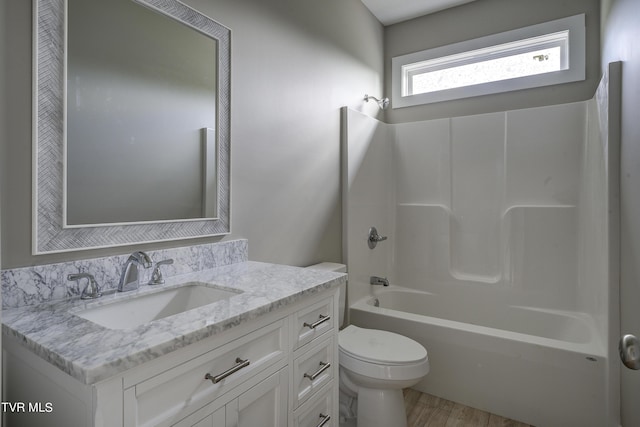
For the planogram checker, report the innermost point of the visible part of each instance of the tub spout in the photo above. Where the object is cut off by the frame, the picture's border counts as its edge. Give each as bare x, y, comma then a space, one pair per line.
375, 280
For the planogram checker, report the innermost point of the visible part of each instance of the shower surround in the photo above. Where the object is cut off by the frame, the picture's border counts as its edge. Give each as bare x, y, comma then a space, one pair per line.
489, 213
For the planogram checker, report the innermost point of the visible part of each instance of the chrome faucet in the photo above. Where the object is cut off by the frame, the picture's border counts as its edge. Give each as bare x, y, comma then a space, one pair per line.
375, 280
130, 278
91, 290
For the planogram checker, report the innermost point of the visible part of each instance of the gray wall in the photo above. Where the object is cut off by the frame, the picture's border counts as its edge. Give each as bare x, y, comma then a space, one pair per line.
481, 18
621, 36
294, 64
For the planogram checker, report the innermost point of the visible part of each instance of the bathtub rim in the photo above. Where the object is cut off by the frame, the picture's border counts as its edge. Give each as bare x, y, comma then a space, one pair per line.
594, 348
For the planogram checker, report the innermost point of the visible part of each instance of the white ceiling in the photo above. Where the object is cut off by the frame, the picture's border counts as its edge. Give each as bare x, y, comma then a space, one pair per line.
393, 11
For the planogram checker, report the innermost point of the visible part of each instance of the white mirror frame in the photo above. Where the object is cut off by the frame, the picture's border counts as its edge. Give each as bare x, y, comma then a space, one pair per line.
49, 232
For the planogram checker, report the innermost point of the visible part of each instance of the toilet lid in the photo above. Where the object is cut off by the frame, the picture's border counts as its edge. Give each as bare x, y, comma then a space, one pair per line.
376, 346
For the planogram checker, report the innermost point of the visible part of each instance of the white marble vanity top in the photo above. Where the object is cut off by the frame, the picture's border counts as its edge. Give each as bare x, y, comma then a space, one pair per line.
91, 353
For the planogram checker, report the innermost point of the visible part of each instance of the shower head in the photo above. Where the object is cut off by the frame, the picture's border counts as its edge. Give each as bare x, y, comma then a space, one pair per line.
382, 103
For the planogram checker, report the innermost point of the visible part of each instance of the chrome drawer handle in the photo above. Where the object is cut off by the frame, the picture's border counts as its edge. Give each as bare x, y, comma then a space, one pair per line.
314, 325
240, 364
325, 419
323, 367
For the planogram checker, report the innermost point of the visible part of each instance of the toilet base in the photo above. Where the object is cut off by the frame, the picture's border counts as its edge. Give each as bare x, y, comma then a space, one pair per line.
381, 408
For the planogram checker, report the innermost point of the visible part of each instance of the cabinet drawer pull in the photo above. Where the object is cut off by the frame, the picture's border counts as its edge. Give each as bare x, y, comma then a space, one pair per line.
325, 419
239, 365
314, 325
323, 367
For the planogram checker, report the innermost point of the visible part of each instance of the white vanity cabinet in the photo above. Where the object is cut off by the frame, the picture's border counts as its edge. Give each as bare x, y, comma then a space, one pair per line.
264, 404
315, 365
151, 400
278, 369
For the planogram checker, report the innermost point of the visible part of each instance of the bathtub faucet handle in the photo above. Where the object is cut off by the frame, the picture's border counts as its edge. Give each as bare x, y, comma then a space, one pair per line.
374, 238
382, 281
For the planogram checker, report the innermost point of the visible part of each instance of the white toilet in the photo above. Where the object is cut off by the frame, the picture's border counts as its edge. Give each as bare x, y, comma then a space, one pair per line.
375, 366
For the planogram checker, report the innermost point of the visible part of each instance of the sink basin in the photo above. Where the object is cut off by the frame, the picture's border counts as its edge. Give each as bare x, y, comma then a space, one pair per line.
139, 310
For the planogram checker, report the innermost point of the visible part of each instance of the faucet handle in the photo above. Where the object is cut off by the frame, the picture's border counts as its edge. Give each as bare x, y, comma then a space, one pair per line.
374, 238
91, 289
156, 276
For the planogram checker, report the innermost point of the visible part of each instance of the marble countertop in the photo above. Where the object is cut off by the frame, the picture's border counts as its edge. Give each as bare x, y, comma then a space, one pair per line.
91, 353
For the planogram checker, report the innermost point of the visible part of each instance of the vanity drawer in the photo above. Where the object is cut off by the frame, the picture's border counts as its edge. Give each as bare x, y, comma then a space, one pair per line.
319, 411
170, 395
313, 321
313, 369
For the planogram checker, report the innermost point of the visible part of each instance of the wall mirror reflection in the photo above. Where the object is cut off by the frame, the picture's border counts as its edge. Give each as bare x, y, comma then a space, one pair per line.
132, 101
136, 115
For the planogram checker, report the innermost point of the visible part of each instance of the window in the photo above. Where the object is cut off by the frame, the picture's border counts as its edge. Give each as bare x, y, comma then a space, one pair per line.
540, 55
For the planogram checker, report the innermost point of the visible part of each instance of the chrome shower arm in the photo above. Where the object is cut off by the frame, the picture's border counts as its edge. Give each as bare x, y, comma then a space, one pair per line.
382, 103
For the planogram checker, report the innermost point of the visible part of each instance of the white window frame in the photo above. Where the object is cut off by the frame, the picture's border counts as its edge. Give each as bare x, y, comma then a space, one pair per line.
402, 65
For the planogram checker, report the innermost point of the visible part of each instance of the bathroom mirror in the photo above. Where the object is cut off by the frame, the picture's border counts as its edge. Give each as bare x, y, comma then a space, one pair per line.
131, 145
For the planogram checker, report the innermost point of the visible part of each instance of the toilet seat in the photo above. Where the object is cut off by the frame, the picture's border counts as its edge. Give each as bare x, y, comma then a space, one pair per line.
381, 347
381, 354
375, 366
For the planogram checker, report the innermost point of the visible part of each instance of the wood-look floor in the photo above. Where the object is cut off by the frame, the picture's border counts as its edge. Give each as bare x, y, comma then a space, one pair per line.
424, 410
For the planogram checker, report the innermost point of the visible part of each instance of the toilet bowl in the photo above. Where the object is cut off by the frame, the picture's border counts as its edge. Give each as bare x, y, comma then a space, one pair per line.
375, 366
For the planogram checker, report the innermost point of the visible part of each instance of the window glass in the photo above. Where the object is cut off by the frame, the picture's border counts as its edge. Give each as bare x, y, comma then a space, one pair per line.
540, 55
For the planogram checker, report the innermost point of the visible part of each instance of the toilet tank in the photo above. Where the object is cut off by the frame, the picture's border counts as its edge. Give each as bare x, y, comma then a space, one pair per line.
338, 268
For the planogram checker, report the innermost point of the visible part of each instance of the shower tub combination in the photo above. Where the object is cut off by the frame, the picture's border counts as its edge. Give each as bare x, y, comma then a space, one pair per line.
542, 367
503, 236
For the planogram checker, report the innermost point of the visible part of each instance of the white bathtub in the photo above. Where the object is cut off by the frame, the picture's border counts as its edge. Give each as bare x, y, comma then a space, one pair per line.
541, 367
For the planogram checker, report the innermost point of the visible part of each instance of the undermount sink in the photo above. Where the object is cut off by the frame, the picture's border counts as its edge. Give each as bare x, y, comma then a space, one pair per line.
135, 311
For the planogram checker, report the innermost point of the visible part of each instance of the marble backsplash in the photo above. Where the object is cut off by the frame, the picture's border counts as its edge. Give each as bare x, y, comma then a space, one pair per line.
37, 284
